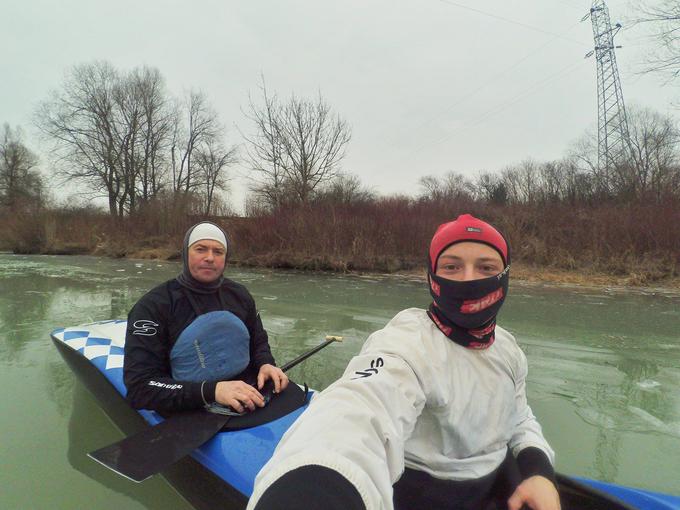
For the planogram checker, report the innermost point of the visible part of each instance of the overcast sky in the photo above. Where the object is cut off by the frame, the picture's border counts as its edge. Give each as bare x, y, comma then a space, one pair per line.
428, 86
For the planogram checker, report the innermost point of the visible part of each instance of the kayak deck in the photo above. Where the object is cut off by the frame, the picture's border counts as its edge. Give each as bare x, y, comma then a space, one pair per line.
234, 457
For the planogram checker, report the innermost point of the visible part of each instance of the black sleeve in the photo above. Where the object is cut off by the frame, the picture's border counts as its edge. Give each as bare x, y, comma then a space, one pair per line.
533, 461
146, 370
311, 487
260, 353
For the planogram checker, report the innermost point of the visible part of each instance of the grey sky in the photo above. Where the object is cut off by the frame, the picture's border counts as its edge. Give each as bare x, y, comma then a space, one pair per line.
428, 86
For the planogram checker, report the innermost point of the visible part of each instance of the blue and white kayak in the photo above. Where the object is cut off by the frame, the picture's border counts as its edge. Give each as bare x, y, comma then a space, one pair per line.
221, 473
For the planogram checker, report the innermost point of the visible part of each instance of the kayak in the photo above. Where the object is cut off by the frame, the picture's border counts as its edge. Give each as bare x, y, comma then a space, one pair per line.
221, 473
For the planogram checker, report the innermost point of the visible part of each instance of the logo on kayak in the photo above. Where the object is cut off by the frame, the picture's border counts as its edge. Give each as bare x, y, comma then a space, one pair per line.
375, 365
145, 328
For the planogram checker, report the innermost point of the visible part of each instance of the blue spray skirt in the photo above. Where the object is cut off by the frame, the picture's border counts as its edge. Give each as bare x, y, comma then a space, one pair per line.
221, 473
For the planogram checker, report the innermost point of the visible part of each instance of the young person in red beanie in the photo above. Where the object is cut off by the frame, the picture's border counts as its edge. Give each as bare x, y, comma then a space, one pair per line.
433, 412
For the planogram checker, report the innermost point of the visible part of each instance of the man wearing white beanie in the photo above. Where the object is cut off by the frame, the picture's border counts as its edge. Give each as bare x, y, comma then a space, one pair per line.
193, 340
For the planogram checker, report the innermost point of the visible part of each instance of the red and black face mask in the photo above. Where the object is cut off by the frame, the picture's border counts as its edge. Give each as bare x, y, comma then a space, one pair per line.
465, 311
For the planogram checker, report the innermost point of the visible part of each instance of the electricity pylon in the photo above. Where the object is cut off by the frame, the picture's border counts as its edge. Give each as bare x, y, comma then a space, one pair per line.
612, 124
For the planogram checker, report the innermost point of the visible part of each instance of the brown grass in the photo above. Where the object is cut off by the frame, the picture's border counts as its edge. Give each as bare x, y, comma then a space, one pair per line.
608, 244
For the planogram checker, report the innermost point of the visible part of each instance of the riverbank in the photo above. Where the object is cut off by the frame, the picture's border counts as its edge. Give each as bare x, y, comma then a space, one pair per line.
643, 281
536, 275
597, 247
523, 273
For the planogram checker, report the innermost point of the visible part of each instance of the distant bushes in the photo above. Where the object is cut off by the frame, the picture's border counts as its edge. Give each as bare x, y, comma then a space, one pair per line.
393, 233
638, 241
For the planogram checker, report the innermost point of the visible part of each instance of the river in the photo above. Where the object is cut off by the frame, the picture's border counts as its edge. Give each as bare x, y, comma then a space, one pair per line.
604, 369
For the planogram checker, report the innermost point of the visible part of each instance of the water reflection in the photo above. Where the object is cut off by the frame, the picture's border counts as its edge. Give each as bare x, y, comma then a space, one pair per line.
59, 386
24, 302
607, 445
89, 429
616, 364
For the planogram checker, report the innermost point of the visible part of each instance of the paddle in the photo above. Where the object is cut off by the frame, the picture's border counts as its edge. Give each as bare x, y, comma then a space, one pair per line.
141, 455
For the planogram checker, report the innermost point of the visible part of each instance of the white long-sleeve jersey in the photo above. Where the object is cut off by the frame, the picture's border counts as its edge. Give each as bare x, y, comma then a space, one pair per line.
413, 397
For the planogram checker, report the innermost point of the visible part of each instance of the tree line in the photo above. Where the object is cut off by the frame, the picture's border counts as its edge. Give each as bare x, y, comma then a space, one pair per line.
649, 174
162, 161
122, 136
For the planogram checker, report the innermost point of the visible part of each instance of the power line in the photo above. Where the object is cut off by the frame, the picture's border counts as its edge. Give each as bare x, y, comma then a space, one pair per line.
497, 109
488, 82
511, 21
506, 104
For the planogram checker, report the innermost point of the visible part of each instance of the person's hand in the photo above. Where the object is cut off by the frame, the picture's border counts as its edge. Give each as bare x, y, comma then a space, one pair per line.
238, 395
277, 376
537, 493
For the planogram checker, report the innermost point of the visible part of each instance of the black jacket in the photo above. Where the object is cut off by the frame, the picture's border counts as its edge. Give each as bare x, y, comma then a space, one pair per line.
155, 323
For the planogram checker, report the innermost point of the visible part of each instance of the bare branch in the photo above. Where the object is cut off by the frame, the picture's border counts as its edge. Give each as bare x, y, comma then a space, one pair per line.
296, 148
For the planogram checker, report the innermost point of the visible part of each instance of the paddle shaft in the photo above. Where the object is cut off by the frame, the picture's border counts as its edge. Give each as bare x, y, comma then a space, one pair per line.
302, 357
141, 455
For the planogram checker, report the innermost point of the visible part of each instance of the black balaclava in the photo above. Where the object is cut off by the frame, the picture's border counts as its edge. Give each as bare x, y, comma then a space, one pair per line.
204, 230
465, 311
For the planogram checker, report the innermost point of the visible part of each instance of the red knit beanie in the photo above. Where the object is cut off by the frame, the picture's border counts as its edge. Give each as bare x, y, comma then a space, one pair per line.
466, 228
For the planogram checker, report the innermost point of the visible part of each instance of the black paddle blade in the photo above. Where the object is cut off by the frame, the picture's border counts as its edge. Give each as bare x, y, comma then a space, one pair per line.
146, 453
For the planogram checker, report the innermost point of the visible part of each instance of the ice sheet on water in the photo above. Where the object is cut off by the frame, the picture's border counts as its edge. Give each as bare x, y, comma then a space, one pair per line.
628, 419
657, 425
648, 384
278, 325
371, 319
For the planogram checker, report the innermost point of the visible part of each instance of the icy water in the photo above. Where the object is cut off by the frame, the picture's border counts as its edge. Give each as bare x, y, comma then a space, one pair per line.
604, 370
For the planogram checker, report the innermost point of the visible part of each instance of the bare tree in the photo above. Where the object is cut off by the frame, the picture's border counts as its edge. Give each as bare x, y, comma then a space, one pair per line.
583, 155
451, 186
521, 182
142, 127
663, 18
345, 189
314, 144
201, 128
212, 161
80, 120
296, 147
653, 171
575, 186
128, 131
157, 124
18, 179
111, 132
265, 152
490, 188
